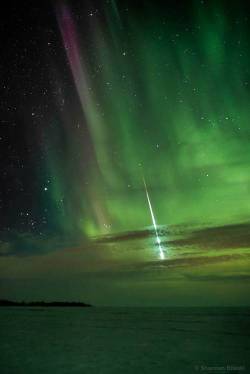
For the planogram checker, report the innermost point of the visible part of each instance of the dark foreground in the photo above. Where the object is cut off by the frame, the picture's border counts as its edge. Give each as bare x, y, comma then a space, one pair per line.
124, 340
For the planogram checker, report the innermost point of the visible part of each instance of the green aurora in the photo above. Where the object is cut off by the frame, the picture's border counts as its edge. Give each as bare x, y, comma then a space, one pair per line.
165, 100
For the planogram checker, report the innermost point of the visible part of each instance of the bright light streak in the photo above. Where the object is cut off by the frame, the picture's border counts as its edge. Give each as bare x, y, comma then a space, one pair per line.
158, 240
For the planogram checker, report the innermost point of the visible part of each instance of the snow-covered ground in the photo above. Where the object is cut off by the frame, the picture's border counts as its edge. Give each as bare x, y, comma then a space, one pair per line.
124, 340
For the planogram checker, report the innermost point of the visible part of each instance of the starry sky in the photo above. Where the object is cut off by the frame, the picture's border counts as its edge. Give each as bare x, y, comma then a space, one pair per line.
125, 152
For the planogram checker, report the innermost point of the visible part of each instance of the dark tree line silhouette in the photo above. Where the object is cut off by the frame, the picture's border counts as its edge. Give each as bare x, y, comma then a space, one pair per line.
43, 303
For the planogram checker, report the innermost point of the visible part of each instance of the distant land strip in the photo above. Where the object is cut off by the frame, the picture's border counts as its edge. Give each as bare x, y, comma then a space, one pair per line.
44, 303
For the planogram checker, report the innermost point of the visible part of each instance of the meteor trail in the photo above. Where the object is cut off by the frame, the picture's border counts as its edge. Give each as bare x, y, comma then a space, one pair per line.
154, 222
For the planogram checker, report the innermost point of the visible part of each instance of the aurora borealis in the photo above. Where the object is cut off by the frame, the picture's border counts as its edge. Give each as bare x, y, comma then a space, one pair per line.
130, 137
165, 100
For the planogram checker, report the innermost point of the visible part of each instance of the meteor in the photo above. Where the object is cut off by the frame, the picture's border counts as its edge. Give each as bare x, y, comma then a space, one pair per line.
158, 240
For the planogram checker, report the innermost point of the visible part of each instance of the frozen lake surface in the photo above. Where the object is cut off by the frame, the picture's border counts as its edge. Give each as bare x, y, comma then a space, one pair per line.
124, 340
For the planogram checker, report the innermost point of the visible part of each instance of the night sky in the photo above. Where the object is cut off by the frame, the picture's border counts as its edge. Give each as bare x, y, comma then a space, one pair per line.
125, 152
